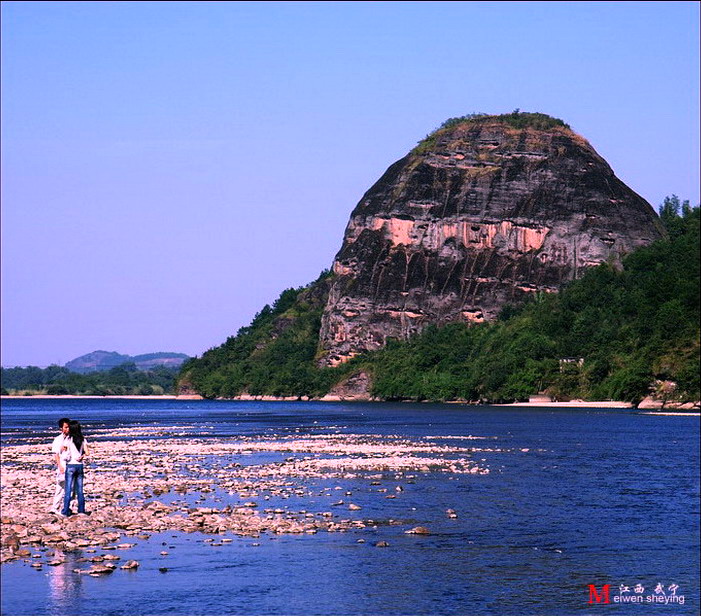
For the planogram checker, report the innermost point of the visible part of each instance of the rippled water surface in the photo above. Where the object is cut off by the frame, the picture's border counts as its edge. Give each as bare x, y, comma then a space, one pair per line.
574, 497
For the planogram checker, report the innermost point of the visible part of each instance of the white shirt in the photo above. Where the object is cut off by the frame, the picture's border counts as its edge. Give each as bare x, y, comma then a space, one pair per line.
59, 442
74, 454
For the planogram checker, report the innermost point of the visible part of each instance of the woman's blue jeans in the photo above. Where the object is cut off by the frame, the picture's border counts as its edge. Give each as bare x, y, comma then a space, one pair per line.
74, 481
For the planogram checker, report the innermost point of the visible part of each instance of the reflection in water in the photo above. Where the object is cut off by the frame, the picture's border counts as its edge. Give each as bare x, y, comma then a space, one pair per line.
65, 589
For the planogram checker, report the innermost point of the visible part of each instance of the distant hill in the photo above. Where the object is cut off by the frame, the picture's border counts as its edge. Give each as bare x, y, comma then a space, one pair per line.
98, 361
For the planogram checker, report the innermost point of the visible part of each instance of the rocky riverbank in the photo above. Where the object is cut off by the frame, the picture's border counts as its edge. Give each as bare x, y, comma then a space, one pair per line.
179, 479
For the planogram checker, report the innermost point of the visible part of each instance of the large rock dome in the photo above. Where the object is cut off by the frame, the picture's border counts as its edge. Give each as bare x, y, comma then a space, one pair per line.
484, 212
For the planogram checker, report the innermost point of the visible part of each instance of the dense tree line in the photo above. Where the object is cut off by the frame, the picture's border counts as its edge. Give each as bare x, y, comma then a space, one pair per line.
609, 335
125, 379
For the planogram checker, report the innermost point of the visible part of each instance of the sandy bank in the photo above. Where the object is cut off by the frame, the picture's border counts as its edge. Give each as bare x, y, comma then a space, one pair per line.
649, 408
74, 397
327, 398
670, 408
677, 413
599, 404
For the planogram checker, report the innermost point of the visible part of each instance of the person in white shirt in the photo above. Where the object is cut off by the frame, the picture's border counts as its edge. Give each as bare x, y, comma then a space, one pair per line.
59, 449
77, 449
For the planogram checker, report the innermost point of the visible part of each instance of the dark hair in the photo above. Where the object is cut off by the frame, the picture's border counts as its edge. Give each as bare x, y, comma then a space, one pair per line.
62, 421
76, 434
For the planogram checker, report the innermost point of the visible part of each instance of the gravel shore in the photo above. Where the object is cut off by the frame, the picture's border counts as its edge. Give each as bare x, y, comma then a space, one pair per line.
159, 479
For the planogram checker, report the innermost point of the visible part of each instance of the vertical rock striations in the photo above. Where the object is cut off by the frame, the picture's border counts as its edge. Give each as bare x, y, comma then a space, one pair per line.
484, 212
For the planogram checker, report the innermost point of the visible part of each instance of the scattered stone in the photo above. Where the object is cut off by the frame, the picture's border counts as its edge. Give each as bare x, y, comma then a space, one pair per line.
418, 530
176, 464
98, 570
130, 564
382, 544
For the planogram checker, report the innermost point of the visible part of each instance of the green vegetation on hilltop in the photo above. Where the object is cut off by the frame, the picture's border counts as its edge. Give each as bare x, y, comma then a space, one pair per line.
515, 119
610, 335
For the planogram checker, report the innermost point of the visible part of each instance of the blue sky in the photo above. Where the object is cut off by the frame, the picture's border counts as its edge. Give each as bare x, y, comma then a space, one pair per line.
169, 168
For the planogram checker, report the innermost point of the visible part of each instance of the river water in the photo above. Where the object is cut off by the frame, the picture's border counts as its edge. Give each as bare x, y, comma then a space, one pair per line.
573, 497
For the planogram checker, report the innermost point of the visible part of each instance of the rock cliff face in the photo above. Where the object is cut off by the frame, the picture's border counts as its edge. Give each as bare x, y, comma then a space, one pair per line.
482, 213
